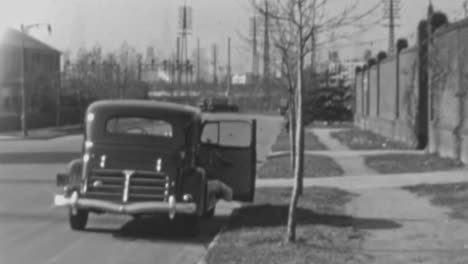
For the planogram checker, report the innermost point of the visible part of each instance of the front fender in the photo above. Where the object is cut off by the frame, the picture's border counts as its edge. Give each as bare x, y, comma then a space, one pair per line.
194, 183
72, 178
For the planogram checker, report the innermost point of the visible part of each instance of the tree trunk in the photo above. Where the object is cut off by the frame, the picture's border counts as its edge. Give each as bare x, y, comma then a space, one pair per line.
299, 160
297, 149
292, 129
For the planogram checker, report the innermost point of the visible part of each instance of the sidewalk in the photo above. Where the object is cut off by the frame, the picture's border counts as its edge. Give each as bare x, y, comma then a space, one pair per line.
373, 181
347, 153
357, 174
351, 165
394, 225
425, 233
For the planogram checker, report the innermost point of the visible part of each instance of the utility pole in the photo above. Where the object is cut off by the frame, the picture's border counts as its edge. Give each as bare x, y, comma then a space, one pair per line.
254, 47
119, 80
24, 96
185, 26
229, 73
178, 63
198, 60
124, 88
215, 64
24, 99
266, 40
391, 12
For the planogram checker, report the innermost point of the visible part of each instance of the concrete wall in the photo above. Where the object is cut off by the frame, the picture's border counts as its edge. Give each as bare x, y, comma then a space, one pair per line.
399, 94
373, 92
448, 75
387, 89
358, 96
386, 122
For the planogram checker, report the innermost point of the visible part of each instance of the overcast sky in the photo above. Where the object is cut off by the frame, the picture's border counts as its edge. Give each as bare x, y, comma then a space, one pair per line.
78, 23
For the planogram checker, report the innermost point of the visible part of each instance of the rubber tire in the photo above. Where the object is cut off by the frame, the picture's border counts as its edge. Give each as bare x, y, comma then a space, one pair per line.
191, 225
78, 221
210, 213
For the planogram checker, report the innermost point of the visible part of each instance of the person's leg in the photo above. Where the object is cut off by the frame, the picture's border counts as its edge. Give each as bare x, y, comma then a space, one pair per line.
220, 190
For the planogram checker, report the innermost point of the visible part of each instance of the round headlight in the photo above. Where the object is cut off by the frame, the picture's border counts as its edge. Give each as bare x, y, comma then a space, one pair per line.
187, 198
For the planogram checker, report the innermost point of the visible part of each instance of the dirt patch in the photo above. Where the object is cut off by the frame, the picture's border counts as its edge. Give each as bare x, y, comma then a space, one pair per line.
410, 163
255, 233
314, 166
358, 139
453, 196
311, 142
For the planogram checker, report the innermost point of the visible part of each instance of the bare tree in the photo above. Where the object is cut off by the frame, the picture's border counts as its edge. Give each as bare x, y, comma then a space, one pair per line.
295, 24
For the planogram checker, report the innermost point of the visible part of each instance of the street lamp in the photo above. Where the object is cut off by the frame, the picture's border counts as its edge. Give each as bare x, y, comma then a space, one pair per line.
25, 29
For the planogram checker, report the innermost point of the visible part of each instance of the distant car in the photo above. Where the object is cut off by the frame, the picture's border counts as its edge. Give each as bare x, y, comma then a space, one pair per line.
146, 157
218, 104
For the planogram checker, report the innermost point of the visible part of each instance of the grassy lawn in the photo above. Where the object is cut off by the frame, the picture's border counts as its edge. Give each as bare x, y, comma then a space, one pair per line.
452, 195
311, 142
255, 233
314, 166
358, 139
410, 163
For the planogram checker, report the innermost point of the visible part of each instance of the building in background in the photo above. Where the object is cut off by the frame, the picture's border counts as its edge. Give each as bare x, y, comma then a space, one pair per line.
41, 72
335, 73
243, 79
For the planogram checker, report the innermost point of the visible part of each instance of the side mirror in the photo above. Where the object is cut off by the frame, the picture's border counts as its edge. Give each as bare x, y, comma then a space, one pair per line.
63, 179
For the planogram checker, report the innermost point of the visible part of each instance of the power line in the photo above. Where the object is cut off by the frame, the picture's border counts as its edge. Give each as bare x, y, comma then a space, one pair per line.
215, 63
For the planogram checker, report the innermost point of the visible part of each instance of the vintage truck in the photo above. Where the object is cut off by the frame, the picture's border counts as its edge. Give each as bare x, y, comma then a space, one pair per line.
146, 157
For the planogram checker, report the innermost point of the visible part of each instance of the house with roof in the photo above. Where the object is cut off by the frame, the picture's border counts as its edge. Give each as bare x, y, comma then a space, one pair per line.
41, 73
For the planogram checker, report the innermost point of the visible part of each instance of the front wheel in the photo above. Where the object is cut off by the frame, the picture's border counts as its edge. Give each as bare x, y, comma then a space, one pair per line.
191, 225
210, 213
78, 219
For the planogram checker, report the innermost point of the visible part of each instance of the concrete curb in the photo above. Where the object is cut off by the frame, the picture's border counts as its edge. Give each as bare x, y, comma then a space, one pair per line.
215, 240
345, 153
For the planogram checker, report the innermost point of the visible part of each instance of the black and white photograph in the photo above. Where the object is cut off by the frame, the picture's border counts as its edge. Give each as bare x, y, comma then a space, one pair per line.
234, 131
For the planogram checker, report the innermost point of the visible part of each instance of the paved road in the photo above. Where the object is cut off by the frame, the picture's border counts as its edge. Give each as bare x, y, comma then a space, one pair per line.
32, 231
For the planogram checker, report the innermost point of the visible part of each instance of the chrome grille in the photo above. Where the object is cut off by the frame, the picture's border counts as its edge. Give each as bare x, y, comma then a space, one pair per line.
108, 184
148, 186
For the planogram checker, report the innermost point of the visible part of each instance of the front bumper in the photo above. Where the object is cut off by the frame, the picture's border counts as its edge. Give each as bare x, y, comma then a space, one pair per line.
171, 207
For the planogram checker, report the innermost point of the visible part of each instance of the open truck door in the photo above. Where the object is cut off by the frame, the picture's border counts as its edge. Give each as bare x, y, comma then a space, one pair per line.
234, 142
